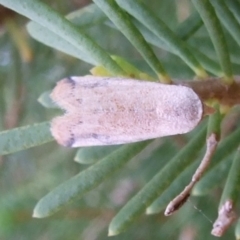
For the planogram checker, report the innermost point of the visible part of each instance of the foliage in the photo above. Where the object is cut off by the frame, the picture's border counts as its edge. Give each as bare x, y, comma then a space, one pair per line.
149, 42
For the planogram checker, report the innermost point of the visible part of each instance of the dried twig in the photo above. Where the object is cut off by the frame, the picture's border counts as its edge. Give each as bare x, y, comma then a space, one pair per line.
226, 216
178, 201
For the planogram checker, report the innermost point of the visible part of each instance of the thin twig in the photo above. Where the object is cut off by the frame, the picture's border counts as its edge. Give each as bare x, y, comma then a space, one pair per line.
179, 200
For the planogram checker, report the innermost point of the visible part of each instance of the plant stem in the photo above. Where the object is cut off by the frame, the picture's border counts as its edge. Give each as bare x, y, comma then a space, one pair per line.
213, 88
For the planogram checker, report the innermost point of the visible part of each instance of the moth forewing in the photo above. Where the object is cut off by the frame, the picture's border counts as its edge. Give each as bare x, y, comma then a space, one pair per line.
105, 111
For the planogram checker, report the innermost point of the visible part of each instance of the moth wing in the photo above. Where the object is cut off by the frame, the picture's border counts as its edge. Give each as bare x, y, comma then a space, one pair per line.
116, 111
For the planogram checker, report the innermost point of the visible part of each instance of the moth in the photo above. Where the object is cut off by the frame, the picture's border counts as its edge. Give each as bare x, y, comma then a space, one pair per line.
112, 110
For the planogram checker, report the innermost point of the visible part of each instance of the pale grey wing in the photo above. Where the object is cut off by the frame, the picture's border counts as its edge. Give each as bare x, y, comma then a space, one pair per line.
63, 94
72, 131
67, 93
123, 110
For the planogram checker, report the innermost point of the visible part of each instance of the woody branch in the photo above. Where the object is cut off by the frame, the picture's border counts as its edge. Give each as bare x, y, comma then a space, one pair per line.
214, 88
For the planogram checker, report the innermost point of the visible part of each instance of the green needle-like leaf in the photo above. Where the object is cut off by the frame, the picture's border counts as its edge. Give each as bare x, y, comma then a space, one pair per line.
188, 27
87, 16
232, 187
21, 138
234, 6
158, 184
83, 18
90, 155
206, 62
46, 100
214, 123
124, 24
210, 65
77, 186
141, 12
45, 16
228, 19
130, 70
53, 40
216, 34
237, 230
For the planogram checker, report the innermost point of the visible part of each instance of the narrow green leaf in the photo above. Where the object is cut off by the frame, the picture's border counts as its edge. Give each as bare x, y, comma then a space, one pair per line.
83, 18
237, 230
90, 155
214, 122
159, 183
207, 63
21, 138
124, 24
87, 17
158, 154
77, 186
151, 38
53, 40
228, 19
45, 16
210, 65
188, 27
232, 187
130, 70
234, 6
45, 100
142, 13
186, 30
216, 34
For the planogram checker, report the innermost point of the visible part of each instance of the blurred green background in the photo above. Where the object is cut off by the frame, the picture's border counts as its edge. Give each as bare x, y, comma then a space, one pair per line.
27, 69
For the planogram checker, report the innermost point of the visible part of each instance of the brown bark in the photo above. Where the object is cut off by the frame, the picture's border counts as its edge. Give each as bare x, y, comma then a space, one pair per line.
214, 88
